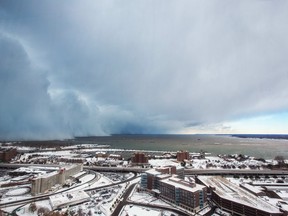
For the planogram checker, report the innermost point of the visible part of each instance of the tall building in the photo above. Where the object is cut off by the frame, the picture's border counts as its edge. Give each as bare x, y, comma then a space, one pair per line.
150, 178
43, 183
188, 195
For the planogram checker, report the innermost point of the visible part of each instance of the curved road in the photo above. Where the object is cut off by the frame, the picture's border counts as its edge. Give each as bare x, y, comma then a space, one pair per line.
186, 171
46, 196
136, 170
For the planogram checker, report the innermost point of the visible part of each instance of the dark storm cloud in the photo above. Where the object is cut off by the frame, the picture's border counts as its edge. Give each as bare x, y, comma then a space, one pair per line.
150, 66
24, 100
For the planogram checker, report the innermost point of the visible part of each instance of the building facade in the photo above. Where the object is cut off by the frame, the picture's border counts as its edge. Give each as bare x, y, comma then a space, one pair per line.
7, 154
182, 155
188, 195
46, 182
236, 200
139, 158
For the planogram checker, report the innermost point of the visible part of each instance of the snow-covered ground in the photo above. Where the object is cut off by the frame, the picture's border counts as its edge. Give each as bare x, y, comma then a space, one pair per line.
143, 211
18, 191
145, 197
209, 162
99, 201
102, 202
163, 162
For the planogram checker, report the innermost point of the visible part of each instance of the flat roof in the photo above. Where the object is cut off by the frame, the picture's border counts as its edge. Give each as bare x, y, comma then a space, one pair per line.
254, 189
64, 199
233, 192
153, 172
180, 183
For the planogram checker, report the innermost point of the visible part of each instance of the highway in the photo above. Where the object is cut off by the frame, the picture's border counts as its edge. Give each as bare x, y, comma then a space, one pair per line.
234, 172
46, 196
186, 171
135, 170
7, 166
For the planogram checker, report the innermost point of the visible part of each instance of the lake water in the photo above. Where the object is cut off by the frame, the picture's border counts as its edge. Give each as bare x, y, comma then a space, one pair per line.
215, 144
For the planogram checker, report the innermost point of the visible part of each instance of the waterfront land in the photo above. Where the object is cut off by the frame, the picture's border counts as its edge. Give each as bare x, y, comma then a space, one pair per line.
111, 178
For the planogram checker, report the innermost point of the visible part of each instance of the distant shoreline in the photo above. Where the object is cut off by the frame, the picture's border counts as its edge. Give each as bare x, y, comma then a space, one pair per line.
262, 136
81, 138
258, 145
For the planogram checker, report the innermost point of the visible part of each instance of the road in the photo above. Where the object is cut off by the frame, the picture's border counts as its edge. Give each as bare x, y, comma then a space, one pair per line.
125, 202
8, 166
136, 170
46, 196
186, 171
234, 172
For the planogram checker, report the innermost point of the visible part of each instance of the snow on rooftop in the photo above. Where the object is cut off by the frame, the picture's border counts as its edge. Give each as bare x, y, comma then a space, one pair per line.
255, 190
230, 191
163, 162
139, 211
145, 197
64, 199
153, 172
78, 174
179, 183
280, 191
36, 169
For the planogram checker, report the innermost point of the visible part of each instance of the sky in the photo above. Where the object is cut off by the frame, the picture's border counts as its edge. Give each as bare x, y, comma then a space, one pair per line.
82, 68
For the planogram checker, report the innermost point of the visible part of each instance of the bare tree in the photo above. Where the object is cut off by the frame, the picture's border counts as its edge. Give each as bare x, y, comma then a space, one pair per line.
32, 207
280, 160
51, 213
90, 213
42, 211
80, 212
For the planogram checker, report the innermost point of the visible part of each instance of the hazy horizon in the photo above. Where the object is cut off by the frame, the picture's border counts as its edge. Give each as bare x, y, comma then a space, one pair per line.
243, 136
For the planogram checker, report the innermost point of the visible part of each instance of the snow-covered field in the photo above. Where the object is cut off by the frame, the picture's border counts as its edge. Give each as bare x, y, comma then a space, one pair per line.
143, 211
145, 197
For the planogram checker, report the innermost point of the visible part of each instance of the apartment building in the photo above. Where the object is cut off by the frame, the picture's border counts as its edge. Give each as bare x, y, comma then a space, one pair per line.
188, 195
139, 158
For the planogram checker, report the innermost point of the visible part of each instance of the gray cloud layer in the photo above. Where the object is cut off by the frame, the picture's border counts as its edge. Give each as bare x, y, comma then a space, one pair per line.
98, 67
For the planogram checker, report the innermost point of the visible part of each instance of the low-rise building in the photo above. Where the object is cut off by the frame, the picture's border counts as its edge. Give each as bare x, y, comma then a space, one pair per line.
236, 200
7, 154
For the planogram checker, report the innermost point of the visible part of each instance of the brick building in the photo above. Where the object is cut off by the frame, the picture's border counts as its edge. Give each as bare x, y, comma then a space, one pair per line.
183, 155
150, 178
188, 195
172, 170
7, 154
139, 158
